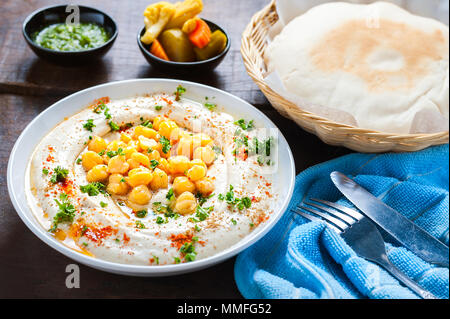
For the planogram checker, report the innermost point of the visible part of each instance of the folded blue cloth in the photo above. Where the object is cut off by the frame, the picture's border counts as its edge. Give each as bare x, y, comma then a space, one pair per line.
303, 259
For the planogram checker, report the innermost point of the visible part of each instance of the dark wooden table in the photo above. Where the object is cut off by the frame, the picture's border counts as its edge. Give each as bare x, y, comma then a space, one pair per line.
31, 269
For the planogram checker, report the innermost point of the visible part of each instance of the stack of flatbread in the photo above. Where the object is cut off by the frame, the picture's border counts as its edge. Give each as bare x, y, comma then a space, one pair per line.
387, 68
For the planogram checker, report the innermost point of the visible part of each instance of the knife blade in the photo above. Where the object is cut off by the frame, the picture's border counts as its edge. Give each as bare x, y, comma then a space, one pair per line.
401, 228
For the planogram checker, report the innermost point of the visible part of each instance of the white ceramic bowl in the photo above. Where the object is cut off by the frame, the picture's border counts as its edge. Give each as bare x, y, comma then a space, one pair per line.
72, 104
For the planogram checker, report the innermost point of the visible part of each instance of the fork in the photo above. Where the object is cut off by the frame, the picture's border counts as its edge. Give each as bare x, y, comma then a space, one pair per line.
360, 234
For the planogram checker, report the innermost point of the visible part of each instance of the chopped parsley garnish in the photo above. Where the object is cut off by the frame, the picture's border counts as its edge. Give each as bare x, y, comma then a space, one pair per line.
59, 175
201, 199
158, 107
114, 127
263, 149
140, 225
180, 91
166, 210
103, 204
93, 189
244, 125
146, 123
66, 212
251, 225
79, 161
107, 115
84, 230
197, 229
176, 260
156, 259
165, 144
89, 125
210, 106
234, 221
188, 250
239, 203
160, 220
141, 213
202, 213
119, 151
45, 171
99, 108
154, 163
170, 195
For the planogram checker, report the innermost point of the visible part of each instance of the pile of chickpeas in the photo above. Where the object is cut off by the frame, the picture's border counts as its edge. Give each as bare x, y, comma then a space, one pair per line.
131, 172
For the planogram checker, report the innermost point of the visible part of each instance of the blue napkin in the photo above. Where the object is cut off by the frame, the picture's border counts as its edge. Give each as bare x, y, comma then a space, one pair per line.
303, 259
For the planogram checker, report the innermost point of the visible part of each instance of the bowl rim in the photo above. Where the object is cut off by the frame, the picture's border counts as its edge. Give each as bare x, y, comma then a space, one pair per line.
140, 270
173, 63
37, 11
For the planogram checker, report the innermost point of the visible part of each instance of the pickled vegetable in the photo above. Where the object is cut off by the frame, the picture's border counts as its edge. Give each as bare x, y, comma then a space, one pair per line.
216, 45
177, 45
201, 35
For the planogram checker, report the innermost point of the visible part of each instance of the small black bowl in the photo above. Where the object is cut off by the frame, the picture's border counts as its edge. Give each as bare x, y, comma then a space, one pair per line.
171, 66
44, 17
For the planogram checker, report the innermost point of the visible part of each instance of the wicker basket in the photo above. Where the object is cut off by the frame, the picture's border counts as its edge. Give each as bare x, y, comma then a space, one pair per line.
252, 48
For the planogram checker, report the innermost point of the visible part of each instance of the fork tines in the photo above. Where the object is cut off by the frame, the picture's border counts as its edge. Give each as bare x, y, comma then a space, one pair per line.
336, 216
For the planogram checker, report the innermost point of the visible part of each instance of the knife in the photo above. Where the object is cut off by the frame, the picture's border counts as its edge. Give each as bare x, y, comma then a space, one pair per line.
402, 229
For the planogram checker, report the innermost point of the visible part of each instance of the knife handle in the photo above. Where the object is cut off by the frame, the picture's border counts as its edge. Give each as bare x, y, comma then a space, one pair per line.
397, 273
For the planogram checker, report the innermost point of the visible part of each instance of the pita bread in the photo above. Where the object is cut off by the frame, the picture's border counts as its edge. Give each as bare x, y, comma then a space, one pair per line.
377, 62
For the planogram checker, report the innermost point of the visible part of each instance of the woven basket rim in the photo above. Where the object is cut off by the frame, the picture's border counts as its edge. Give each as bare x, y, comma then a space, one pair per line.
258, 77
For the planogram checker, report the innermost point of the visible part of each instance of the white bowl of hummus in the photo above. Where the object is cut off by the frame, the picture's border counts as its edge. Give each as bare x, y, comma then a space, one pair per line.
150, 177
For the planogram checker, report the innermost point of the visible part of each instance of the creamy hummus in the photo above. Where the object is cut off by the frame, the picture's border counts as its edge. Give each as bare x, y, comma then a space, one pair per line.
111, 226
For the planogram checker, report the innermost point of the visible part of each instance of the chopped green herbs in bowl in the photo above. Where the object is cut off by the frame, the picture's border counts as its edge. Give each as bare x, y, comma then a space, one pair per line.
54, 37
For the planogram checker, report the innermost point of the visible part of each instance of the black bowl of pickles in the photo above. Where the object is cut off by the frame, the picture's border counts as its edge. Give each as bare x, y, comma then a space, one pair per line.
69, 34
175, 39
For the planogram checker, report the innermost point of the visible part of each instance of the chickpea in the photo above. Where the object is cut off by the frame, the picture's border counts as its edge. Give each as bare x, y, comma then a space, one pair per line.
176, 134
141, 159
117, 185
145, 143
185, 146
125, 137
166, 128
118, 165
178, 164
157, 121
164, 165
206, 154
97, 144
90, 159
128, 151
196, 172
204, 139
139, 176
186, 204
160, 179
146, 132
205, 186
133, 144
140, 195
182, 184
98, 173
158, 147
